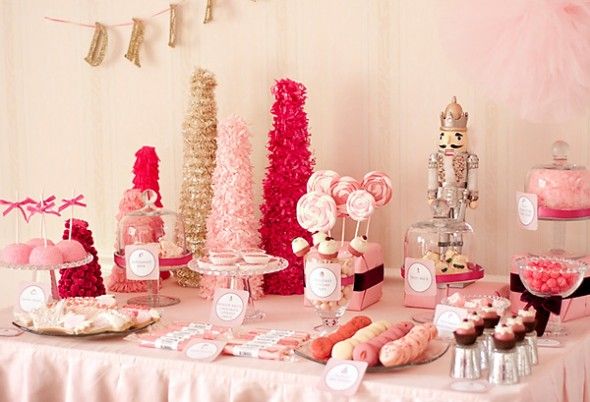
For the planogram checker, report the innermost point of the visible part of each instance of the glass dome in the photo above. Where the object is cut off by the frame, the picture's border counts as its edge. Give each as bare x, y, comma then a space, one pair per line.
153, 225
447, 242
562, 187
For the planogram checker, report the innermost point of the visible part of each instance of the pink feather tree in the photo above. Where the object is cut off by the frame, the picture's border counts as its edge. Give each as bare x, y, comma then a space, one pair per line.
232, 222
290, 165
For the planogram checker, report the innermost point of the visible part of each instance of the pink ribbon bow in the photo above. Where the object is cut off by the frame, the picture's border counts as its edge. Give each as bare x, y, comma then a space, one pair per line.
18, 205
43, 207
76, 201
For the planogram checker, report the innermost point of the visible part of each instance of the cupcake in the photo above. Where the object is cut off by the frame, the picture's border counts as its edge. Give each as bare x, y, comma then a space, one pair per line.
477, 321
318, 237
300, 246
465, 334
328, 249
358, 246
504, 338
490, 316
528, 319
515, 322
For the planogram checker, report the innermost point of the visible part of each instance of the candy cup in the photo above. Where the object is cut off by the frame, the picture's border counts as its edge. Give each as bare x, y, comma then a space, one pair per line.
321, 181
316, 212
378, 184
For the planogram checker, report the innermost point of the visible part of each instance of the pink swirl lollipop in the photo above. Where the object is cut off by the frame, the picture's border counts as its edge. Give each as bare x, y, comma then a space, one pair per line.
321, 181
379, 185
316, 212
360, 205
340, 190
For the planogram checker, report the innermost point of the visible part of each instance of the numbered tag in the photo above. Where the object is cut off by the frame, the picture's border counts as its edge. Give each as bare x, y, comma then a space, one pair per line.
142, 262
448, 318
342, 377
322, 280
32, 295
229, 307
204, 350
420, 278
526, 208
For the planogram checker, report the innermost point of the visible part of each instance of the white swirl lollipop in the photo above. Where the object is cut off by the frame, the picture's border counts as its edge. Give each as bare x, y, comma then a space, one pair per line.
379, 185
316, 212
360, 205
321, 181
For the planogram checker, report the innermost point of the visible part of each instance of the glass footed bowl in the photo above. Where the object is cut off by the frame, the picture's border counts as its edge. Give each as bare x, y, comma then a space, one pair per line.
551, 276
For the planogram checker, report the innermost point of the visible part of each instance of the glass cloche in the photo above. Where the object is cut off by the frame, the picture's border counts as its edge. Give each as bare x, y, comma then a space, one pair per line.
160, 227
448, 243
562, 187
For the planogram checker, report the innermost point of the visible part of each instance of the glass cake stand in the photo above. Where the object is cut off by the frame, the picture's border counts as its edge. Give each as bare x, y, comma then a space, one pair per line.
50, 268
240, 271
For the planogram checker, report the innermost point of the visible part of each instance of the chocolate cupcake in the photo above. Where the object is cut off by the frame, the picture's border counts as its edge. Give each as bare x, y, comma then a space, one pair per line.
465, 333
515, 322
528, 319
477, 322
490, 316
504, 338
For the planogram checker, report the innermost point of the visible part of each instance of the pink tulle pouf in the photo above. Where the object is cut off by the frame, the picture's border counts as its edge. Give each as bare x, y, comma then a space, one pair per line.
531, 55
561, 189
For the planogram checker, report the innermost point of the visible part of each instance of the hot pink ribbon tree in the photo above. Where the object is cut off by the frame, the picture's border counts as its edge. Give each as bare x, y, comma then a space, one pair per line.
289, 168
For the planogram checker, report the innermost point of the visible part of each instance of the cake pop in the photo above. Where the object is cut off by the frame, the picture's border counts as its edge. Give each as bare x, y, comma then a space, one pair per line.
46, 255
16, 253
300, 246
318, 237
328, 249
39, 242
71, 250
358, 246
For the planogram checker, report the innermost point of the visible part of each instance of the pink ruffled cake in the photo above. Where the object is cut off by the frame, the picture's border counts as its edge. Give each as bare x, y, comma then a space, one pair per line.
561, 189
16, 253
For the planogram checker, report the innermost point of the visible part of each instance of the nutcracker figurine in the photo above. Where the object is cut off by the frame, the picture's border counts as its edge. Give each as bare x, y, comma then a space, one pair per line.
452, 171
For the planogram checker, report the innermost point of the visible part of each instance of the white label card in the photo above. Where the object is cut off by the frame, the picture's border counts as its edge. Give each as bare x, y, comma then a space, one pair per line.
526, 208
32, 295
204, 350
342, 377
142, 261
229, 307
448, 318
420, 278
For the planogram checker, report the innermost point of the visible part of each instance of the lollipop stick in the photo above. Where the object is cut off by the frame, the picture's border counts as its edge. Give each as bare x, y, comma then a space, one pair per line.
368, 225
343, 231
43, 232
17, 226
356, 232
71, 218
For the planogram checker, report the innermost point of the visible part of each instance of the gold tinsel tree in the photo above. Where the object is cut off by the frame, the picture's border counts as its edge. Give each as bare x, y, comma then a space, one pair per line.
199, 132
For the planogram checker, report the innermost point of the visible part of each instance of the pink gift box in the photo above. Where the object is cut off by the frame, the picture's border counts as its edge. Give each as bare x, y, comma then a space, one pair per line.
368, 279
571, 309
476, 288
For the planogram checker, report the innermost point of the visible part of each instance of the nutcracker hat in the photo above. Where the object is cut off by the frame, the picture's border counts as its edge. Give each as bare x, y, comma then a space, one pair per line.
453, 118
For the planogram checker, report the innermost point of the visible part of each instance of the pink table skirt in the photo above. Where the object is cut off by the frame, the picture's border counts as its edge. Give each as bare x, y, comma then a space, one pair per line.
35, 368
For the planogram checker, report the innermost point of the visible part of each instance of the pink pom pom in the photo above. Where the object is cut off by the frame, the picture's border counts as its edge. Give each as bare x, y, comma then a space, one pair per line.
532, 55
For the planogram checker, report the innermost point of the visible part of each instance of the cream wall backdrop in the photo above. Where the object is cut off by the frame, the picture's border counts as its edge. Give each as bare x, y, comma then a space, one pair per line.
377, 79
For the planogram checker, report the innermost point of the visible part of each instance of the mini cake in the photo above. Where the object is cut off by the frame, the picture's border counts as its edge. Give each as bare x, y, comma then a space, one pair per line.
358, 246
515, 322
477, 321
528, 319
16, 253
259, 258
221, 258
504, 338
300, 246
328, 249
71, 250
45, 256
465, 334
39, 242
169, 249
459, 263
318, 237
490, 316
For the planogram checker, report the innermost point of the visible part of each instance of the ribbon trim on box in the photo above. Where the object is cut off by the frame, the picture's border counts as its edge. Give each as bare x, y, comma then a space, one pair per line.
368, 279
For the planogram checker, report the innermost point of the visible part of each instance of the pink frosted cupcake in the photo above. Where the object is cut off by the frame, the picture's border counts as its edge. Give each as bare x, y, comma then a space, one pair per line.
515, 322
477, 322
528, 319
504, 338
16, 253
465, 333
71, 250
490, 316
46, 256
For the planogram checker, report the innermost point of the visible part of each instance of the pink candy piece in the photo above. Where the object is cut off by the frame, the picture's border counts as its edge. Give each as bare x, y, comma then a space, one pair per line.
322, 181
360, 205
548, 277
45, 256
340, 190
378, 184
316, 212
17, 253
71, 250
561, 189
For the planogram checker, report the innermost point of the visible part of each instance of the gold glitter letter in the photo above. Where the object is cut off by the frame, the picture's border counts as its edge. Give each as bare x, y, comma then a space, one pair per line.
172, 34
135, 42
98, 46
208, 12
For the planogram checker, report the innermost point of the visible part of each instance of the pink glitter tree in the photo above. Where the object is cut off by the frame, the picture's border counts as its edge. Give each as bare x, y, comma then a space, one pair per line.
232, 223
87, 279
290, 165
